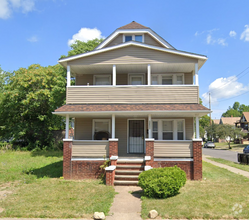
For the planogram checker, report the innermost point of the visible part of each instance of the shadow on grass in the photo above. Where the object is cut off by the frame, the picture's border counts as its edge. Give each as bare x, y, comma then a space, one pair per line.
47, 153
53, 170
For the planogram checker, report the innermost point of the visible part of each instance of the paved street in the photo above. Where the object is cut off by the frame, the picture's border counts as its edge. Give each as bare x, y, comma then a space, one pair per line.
223, 154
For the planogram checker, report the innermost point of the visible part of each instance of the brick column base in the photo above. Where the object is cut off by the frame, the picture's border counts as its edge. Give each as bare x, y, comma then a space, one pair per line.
67, 154
113, 147
149, 151
110, 175
197, 159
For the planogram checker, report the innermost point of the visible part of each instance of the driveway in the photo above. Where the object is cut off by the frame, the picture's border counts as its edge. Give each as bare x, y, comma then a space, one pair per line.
223, 154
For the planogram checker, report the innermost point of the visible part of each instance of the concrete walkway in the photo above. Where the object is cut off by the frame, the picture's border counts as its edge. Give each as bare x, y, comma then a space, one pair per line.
126, 205
232, 169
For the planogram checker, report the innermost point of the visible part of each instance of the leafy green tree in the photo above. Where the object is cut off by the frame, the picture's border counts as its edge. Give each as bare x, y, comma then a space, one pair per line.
236, 110
212, 132
29, 99
228, 132
82, 47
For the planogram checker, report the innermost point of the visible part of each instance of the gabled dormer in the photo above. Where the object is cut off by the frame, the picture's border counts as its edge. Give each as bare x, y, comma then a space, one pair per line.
137, 33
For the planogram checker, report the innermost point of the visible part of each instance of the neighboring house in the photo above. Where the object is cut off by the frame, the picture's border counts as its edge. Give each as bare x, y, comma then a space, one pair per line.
229, 120
216, 121
135, 101
243, 123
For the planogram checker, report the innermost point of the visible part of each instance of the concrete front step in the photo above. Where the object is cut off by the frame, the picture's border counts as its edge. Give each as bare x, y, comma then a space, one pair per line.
129, 172
130, 161
126, 177
125, 182
119, 166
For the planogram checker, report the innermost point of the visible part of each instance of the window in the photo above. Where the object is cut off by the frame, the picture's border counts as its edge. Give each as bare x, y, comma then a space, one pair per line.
134, 37
102, 80
165, 129
136, 79
167, 79
139, 38
155, 130
101, 129
128, 38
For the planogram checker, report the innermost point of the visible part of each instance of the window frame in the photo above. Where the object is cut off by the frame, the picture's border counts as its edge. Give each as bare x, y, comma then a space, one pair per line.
133, 37
106, 75
136, 74
175, 131
174, 78
100, 120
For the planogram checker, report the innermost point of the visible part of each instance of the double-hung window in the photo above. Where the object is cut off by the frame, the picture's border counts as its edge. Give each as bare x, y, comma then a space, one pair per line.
168, 129
167, 79
102, 80
134, 37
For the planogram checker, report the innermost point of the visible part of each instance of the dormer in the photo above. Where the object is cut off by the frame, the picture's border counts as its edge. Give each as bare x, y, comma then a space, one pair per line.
137, 33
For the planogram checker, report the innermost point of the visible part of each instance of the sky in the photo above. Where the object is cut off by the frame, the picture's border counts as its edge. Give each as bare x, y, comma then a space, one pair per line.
40, 31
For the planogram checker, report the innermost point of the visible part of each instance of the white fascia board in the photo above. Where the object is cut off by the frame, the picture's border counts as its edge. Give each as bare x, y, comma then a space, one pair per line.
132, 31
173, 51
195, 113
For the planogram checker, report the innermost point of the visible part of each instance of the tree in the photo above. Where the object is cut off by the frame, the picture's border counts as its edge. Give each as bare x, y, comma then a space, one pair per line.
82, 47
211, 131
30, 97
236, 110
228, 132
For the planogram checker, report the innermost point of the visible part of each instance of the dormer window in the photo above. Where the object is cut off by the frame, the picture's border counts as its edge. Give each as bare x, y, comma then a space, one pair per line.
134, 37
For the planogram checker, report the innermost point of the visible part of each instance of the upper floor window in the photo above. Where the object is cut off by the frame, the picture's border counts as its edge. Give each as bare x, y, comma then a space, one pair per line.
136, 79
167, 79
134, 37
102, 80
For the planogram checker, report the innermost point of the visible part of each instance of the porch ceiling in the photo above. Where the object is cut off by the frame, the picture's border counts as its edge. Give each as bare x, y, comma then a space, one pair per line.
133, 68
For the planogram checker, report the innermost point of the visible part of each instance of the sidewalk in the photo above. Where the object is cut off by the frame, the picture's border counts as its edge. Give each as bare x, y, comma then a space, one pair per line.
232, 169
126, 206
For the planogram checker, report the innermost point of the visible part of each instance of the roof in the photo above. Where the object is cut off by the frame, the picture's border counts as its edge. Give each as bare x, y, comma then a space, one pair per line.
216, 121
229, 120
130, 107
133, 25
246, 114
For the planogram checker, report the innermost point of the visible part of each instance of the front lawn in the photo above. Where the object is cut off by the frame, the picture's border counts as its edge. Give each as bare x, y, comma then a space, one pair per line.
220, 195
230, 163
235, 147
32, 188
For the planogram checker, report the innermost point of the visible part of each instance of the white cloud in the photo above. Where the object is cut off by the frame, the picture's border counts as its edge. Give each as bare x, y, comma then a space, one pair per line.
32, 39
7, 6
85, 34
222, 41
232, 34
209, 39
224, 88
245, 34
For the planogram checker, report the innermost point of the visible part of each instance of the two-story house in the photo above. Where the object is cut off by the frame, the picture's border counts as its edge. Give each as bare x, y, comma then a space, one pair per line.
135, 101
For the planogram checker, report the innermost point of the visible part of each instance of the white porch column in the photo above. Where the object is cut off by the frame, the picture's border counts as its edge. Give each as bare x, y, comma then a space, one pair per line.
114, 75
67, 127
196, 75
149, 74
68, 76
113, 126
150, 126
197, 127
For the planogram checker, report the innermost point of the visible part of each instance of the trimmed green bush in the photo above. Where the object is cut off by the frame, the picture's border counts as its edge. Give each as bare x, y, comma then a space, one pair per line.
162, 182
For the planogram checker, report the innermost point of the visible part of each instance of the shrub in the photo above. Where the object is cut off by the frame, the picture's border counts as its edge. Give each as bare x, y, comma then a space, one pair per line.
162, 182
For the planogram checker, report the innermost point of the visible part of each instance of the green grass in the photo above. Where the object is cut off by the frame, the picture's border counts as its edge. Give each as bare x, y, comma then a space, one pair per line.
212, 198
230, 163
37, 191
235, 147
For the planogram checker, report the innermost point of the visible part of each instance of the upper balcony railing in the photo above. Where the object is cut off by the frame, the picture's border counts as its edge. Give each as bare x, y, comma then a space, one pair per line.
127, 94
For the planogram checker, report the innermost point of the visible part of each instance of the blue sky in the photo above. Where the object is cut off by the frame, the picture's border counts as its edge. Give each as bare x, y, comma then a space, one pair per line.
38, 31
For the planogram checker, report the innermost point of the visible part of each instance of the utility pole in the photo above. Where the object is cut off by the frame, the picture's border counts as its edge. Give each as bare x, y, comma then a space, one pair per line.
210, 109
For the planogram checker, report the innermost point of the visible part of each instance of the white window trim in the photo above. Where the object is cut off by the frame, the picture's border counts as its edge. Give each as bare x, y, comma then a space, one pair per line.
136, 74
100, 120
133, 36
107, 75
174, 78
160, 128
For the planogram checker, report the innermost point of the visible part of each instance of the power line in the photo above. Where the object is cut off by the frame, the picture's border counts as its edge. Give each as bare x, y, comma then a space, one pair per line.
234, 97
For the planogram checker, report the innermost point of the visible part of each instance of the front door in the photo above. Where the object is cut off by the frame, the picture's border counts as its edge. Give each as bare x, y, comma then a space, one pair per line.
136, 136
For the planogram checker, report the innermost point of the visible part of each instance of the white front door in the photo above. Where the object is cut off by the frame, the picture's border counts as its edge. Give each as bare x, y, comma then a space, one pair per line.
136, 136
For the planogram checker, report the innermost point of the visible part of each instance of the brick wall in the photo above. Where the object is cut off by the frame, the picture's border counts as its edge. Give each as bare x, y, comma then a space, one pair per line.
187, 166
197, 163
67, 153
110, 175
150, 152
86, 169
113, 148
